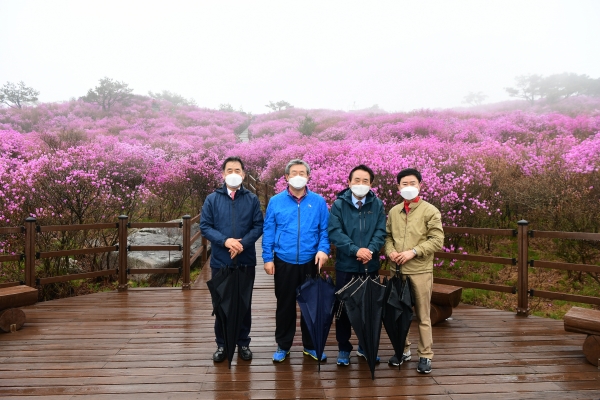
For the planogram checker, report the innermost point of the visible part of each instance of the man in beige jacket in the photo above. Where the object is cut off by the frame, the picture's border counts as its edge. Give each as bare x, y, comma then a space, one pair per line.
414, 233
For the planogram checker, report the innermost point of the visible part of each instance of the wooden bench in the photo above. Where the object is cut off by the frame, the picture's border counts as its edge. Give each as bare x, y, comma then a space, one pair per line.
443, 299
12, 318
587, 321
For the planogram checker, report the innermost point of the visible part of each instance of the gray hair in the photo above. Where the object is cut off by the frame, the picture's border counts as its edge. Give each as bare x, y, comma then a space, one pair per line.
296, 161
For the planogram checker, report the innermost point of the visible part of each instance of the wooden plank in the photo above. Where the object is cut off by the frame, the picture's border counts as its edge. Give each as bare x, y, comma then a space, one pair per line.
17, 296
474, 257
9, 230
62, 253
155, 248
16, 257
446, 295
155, 225
565, 266
565, 296
476, 285
565, 235
9, 284
73, 277
582, 320
133, 271
479, 231
78, 227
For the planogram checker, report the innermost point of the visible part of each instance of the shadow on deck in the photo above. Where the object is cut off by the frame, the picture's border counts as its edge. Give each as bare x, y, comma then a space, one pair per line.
158, 343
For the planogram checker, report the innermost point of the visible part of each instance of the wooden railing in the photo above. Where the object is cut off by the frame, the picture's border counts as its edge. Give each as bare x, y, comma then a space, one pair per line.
522, 261
31, 230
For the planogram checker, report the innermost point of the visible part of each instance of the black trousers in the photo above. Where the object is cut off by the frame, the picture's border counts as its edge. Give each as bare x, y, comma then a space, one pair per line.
287, 279
244, 338
343, 329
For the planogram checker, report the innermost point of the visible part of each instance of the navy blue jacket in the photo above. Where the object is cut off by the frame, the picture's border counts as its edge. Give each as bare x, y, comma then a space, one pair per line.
350, 229
295, 231
223, 218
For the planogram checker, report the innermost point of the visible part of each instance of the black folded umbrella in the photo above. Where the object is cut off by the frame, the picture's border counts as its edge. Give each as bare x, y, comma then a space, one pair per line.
398, 311
363, 300
316, 298
231, 292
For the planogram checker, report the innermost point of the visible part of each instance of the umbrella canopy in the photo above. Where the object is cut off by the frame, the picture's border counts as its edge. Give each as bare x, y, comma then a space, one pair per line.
363, 300
316, 298
230, 291
398, 311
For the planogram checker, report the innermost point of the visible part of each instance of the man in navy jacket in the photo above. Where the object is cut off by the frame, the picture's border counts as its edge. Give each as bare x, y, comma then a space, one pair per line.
295, 245
357, 229
232, 221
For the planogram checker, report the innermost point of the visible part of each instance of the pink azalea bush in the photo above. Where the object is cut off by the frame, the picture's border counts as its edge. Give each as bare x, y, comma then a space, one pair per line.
489, 166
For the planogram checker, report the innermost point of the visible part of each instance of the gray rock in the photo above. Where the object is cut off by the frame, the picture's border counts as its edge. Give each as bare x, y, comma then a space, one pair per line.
157, 259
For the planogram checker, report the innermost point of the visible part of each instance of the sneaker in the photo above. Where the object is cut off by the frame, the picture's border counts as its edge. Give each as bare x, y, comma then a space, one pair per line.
424, 366
343, 358
396, 363
360, 353
280, 354
313, 354
219, 355
245, 353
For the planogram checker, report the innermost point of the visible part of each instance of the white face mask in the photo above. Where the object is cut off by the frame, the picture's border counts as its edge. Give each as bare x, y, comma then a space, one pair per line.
298, 182
233, 180
360, 191
409, 192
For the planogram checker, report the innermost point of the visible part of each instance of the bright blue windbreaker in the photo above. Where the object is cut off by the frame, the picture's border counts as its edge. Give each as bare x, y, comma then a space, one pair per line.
295, 231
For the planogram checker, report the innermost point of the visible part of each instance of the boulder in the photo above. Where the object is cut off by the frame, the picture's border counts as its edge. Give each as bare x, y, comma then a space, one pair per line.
156, 259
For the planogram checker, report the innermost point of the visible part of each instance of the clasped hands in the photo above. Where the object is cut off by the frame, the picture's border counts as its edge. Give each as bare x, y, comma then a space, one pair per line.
235, 247
402, 258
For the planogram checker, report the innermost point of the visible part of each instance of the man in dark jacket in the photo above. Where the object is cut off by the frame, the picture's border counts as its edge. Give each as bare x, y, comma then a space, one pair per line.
357, 229
232, 221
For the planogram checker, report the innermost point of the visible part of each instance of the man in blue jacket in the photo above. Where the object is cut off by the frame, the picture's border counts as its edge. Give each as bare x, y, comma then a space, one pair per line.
357, 229
295, 245
232, 221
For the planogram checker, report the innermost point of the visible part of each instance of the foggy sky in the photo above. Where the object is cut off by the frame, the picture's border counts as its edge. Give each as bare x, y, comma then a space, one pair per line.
401, 55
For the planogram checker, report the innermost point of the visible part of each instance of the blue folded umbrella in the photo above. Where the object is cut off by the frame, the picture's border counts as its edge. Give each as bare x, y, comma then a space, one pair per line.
316, 298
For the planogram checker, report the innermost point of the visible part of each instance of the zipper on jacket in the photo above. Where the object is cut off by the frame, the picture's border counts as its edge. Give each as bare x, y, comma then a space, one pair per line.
233, 223
298, 241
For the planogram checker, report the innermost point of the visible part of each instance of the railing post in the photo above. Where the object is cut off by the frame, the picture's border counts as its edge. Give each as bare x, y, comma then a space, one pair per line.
30, 236
122, 253
523, 269
186, 249
204, 251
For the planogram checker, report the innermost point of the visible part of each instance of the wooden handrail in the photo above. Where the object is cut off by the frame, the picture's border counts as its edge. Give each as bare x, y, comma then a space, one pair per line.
82, 227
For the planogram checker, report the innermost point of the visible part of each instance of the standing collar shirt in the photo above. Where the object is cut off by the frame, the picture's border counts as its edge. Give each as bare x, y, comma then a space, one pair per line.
229, 191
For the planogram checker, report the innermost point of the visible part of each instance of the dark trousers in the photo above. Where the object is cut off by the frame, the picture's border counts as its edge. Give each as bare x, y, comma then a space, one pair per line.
244, 338
343, 329
287, 278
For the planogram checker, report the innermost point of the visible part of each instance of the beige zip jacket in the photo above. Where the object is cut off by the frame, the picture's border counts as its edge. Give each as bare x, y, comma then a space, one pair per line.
421, 230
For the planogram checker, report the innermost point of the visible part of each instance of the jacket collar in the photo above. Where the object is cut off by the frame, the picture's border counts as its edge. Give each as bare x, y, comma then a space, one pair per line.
346, 195
223, 190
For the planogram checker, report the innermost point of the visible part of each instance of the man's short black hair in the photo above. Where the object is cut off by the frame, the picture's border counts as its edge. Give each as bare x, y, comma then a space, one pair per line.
362, 167
409, 172
232, 159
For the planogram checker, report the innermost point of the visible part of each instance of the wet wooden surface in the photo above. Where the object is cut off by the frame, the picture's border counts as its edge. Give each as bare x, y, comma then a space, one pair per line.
158, 344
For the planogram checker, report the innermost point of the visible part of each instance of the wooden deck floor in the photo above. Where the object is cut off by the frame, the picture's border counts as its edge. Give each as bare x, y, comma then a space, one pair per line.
157, 344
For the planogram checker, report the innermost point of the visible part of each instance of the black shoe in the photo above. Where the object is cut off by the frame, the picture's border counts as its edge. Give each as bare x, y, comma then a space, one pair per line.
244, 353
219, 355
424, 366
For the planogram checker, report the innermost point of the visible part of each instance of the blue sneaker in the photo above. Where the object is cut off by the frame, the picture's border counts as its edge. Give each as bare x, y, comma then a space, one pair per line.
360, 353
313, 354
343, 358
280, 354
